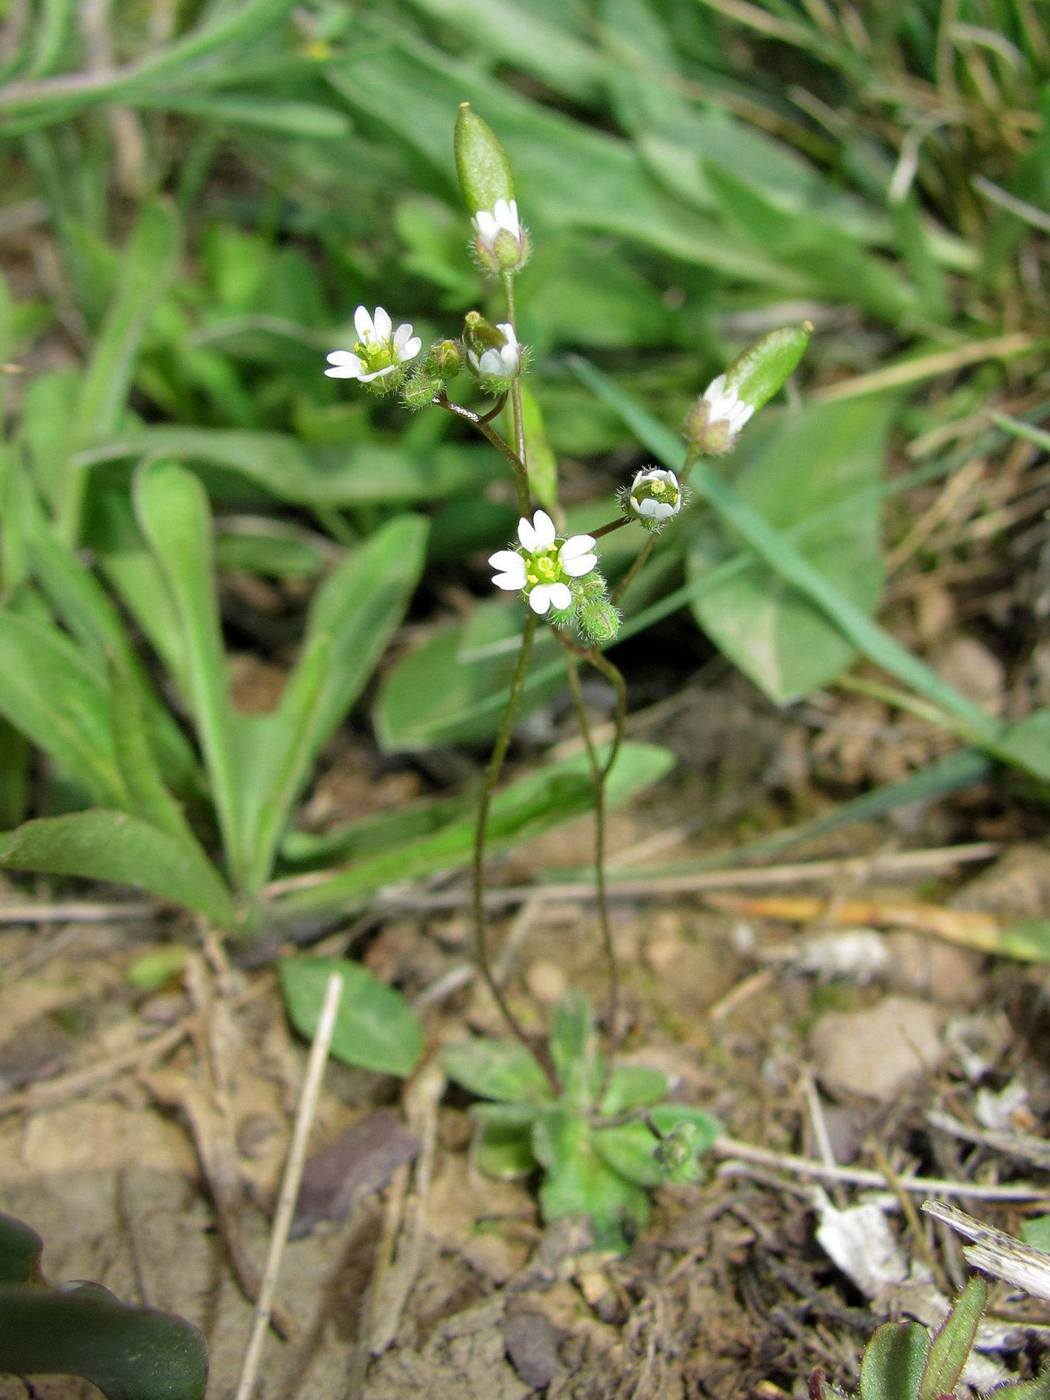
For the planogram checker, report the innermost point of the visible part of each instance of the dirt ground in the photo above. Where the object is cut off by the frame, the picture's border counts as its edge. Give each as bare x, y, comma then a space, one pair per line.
143, 1134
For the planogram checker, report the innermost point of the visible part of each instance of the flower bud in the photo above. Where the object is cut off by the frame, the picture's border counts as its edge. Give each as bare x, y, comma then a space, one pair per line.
653, 498
481, 162
421, 387
493, 352
675, 1154
714, 422
597, 618
445, 359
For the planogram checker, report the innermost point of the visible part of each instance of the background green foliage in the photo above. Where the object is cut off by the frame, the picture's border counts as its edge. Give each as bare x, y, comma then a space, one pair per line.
198, 198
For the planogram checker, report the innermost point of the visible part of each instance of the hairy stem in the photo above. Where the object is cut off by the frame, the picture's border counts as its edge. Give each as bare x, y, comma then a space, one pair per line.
492, 776
483, 423
516, 414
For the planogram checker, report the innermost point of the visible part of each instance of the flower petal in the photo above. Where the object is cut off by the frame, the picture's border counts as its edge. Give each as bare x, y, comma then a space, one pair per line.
411, 348
540, 597
527, 535
543, 528
344, 357
580, 565
509, 560
363, 324
383, 324
486, 225
560, 595
510, 583
490, 363
378, 374
576, 544
345, 371
402, 336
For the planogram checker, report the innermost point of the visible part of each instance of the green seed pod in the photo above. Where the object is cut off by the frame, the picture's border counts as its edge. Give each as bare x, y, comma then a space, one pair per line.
764, 367
597, 618
420, 387
446, 359
481, 162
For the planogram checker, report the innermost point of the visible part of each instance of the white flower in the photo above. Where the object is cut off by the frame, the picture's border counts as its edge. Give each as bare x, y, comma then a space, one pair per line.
726, 406
504, 216
500, 241
499, 362
380, 350
655, 494
542, 568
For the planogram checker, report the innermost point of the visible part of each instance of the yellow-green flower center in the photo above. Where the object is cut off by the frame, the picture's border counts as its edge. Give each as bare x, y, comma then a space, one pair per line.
543, 568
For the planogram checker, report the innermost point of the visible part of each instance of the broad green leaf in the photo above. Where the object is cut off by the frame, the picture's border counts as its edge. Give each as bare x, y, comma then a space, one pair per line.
146, 269
83, 605
440, 694
174, 515
383, 831
129, 1353
107, 845
51, 694
375, 1027
277, 463
951, 1343
633, 1086
530, 806
794, 466
577, 1182
893, 1362
283, 116
543, 465
353, 616
496, 1069
629, 1148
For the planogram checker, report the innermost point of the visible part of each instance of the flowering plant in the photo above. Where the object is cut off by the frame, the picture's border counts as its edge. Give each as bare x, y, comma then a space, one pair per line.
555, 1093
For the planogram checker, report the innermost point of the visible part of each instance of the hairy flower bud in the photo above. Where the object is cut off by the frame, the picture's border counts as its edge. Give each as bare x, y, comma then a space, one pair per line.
653, 498
597, 617
493, 352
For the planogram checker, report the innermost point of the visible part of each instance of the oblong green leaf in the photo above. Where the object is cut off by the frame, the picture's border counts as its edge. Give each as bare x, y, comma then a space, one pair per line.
51, 694
107, 845
353, 616
375, 1028
175, 516
130, 1353
950, 1347
496, 1069
794, 467
630, 1148
893, 1362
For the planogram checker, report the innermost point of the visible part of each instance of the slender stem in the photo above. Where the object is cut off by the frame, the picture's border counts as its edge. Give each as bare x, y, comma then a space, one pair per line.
483, 423
600, 773
640, 560
611, 528
492, 775
516, 413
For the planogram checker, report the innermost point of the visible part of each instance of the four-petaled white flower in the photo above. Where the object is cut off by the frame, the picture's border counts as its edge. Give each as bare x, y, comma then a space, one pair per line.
655, 494
542, 568
380, 350
726, 406
499, 362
